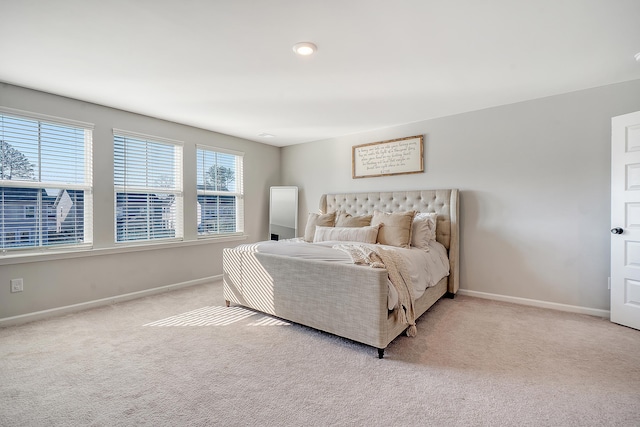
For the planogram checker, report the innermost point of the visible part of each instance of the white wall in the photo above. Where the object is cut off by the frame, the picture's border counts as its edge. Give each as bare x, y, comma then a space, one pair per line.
108, 272
535, 189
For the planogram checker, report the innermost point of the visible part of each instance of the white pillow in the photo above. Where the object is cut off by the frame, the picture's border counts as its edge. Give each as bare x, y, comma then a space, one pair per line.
423, 229
367, 234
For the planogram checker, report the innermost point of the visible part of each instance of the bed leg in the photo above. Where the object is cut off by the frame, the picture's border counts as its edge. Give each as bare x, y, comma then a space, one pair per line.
227, 302
450, 295
380, 353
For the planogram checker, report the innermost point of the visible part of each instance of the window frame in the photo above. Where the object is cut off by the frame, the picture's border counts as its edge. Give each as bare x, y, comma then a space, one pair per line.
238, 194
178, 191
39, 210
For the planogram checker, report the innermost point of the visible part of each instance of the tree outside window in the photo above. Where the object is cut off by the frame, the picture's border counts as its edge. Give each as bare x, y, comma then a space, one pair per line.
14, 164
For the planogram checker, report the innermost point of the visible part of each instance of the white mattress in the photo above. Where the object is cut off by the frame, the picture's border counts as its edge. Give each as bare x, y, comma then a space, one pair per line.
427, 267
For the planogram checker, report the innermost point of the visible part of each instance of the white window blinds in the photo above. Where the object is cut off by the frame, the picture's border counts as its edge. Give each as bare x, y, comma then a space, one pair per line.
220, 191
148, 187
45, 181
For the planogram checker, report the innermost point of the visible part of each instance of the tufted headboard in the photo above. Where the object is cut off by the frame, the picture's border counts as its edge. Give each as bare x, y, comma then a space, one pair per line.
442, 202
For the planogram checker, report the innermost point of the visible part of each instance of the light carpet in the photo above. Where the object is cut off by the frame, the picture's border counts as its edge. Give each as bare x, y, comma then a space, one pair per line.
183, 359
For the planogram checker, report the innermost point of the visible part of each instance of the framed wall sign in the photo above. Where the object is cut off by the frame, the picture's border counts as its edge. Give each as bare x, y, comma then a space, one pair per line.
393, 157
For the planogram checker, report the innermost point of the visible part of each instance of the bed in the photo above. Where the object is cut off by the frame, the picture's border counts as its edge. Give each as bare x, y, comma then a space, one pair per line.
342, 298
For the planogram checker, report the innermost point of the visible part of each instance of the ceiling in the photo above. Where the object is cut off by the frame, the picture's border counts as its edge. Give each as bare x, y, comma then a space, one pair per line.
228, 66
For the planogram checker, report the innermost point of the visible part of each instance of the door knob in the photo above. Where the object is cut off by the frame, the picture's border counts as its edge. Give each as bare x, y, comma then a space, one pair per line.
617, 230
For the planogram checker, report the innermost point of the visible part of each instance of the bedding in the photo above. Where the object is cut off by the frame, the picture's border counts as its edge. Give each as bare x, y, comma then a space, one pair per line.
425, 267
318, 284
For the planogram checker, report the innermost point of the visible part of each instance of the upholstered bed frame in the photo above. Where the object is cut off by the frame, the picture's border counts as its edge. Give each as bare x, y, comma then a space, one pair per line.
347, 300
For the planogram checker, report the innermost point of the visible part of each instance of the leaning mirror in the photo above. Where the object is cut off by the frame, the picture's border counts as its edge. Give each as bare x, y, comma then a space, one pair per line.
283, 213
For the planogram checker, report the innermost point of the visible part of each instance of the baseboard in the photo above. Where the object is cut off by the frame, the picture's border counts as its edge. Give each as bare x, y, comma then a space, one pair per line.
58, 311
537, 303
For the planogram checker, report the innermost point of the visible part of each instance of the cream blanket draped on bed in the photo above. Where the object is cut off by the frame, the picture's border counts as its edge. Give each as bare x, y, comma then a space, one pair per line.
377, 257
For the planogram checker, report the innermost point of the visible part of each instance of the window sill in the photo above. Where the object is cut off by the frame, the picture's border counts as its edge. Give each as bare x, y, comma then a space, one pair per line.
52, 254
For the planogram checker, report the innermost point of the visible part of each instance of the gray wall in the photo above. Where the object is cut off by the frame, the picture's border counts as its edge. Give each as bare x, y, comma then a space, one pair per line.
534, 180
51, 282
535, 189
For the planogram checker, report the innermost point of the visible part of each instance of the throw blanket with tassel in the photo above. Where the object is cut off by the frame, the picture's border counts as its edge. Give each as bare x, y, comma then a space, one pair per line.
377, 257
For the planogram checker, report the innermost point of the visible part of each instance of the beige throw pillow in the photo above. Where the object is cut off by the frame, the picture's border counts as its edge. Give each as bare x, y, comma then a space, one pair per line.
314, 219
395, 229
347, 220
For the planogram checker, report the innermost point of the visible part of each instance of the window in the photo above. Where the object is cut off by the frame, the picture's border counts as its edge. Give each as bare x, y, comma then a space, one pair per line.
220, 192
148, 187
45, 181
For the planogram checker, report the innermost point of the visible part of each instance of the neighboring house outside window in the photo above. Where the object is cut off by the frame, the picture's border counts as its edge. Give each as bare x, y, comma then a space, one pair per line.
219, 184
148, 187
45, 181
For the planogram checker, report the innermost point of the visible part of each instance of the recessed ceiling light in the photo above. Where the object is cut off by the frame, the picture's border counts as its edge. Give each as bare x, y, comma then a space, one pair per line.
304, 48
266, 135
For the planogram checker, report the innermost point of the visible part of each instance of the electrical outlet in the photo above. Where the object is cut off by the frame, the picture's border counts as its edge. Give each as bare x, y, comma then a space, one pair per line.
17, 285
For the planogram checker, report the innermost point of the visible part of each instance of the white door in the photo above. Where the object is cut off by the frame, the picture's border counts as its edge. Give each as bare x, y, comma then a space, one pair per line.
625, 220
